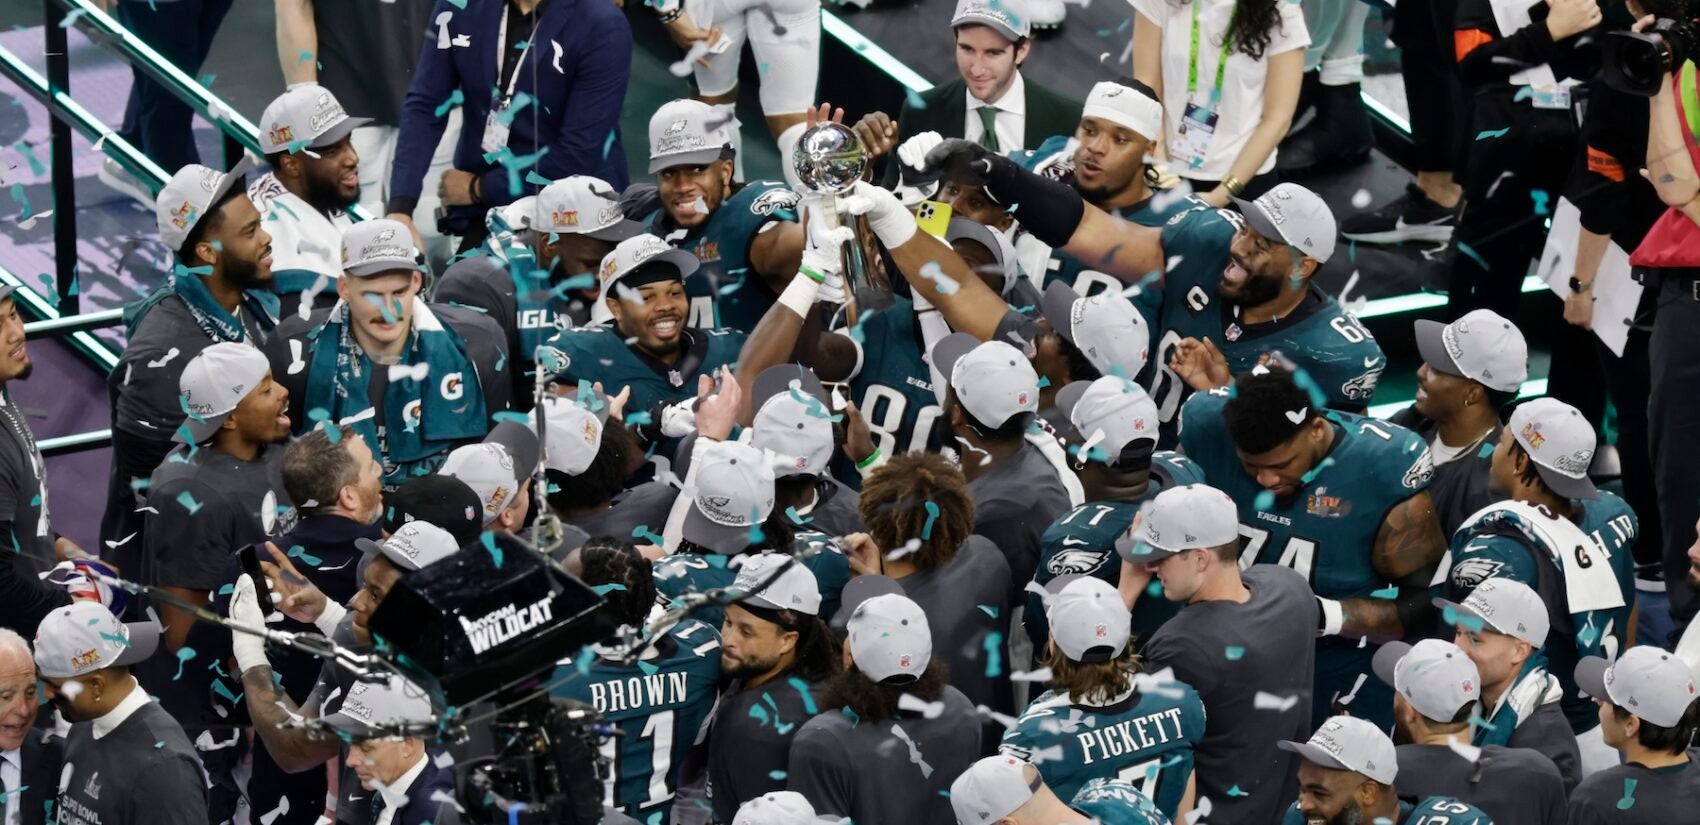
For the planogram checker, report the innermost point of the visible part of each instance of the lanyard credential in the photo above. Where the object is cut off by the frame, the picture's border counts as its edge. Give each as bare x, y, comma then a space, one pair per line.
501, 53
1221, 60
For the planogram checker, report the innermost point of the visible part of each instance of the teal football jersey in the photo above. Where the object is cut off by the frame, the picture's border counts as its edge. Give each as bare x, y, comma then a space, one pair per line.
599, 353
893, 387
1326, 531
723, 284
683, 573
1111, 802
1479, 554
658, 706
1083, 541
1433, 810
1055, 159
1145, 740
1337, 353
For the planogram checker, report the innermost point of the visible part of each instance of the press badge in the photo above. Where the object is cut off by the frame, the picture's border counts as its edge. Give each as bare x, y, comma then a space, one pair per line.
1549, 97
495, 131
1198, 126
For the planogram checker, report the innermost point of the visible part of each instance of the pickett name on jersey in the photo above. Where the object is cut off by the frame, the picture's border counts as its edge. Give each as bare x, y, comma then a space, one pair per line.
1131, 735
635, 693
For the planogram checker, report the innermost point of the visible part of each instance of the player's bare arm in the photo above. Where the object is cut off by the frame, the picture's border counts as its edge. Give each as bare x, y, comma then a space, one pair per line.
1407, 549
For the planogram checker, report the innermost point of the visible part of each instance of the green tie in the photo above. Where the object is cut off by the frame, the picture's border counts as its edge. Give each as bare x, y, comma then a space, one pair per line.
988, 127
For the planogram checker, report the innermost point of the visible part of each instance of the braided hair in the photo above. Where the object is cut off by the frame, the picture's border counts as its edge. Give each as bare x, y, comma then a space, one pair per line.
609, 560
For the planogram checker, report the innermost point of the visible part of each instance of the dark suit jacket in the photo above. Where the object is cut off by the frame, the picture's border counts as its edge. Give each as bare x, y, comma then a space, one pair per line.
43, 756
420, 808
946, 110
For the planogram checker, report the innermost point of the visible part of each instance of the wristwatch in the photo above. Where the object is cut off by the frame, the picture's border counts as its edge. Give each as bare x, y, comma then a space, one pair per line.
1576, 285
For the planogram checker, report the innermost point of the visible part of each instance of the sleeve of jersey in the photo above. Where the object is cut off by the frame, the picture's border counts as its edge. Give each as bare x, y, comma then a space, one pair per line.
1032, 159
814, 771
1195, 232
1192, 716
1352, 369
1489, 557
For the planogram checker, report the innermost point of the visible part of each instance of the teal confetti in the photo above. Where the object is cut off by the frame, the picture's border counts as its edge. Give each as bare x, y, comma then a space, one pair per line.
989, 609
608, 145
1523, 93
648, 669
1317, 470
70, 18
456, 98
855, 718
536, 180
184, 654
1491, 133
1388, 592
932, 516
1628, 800
642, 531
1234, 653
1264, 501
182, 271
1154, 588
1473, 255
298, 552
1235, 791
24, 201
489, 540
758, 713
605, 589
1044, 382
188, 502
993, 645
642, 418
802, 689
1540, 197
510, 415
459, 4
796, 517
37, 168
1452, 617
206, 80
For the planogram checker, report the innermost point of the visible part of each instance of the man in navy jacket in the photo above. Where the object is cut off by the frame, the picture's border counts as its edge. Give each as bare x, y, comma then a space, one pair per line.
550, 104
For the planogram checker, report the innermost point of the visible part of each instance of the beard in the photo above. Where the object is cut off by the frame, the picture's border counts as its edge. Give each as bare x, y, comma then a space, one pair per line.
325, 194
745, 668
244, 274
1259, 288
1349, 815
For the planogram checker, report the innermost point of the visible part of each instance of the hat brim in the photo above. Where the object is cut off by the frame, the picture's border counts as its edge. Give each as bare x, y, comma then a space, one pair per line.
622, 230
1386, 660
1259, 222
1461, 610
1069, 396
354, 728
700, 530
230, 179
681, 260
858, 590
1590, 676
1567, 486
144, 642
521, 443
989, 22
1057, 306
951, 349
6, 291
1135, 551
338, 130
201, 431
699, 157
1431, 345
380, 266
1314, 754
776, 380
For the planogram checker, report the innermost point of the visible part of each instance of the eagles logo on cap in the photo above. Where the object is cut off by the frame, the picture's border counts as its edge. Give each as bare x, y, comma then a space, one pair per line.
676, 126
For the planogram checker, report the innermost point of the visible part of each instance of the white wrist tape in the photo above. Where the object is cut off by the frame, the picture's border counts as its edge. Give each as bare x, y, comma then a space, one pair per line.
328, 620
799, 295
1333, 616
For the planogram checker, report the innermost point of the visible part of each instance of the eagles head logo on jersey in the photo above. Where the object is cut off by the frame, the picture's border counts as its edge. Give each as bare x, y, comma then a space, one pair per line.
1076, 561
774, 200
1473, 571
1421, 471
1362, 388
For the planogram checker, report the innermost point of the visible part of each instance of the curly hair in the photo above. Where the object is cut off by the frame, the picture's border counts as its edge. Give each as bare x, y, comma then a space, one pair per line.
894, 507
873, 701
1253, 25
1257, 412
609, 560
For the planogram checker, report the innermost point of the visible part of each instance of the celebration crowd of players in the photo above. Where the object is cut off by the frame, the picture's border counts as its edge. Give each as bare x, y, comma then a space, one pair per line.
1078, 518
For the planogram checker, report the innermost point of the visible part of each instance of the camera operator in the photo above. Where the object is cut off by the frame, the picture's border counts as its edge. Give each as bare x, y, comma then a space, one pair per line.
1668, 261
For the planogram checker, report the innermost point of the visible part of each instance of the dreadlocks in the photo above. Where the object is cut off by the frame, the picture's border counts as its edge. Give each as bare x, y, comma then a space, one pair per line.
895, 507
609, 560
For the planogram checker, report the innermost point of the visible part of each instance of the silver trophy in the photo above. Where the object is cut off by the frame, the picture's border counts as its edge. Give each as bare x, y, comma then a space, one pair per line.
829, 159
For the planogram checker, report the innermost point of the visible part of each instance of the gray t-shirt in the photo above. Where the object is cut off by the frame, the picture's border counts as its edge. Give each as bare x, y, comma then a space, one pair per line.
23, 497
143, 772
204, 506
966, 602
1515, 786
835, 511
1229, 653
1548, 732
646, 505
749, 749
1014, 501
368, 51
892, 771
1633, 795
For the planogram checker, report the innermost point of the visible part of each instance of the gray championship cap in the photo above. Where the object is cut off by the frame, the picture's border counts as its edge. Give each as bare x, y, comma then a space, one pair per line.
890, 639
780, 808
1481, 346
642, 252
992, 379
1347, 743
378, 246
1002, 251
371, 705
1561, 443
83, 637
795, 589
1104, 327
992, 789
793, 422
1295, 216
734, 495
686, 133
213, 383
572, 432
582, 205
1437, 677
1505, 606
1110, 414
1006, 17
413, 545
497, 467
307, 116
1089, 621
1190, 517
185, 199
1651, 683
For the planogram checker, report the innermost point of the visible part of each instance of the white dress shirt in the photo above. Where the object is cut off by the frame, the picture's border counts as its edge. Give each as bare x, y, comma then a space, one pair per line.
1011, 120
395, 793
12, 772
115, 717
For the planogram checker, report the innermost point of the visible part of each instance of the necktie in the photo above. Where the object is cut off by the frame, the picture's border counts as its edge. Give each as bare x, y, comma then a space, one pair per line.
7, 804
989, 127
377, 807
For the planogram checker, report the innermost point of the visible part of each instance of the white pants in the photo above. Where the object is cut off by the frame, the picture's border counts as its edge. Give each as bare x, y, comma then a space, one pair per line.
1336, 39
785, 36
376, 147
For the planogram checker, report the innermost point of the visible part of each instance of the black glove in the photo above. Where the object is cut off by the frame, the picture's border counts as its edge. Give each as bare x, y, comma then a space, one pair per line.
1050, 210
961, 161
